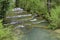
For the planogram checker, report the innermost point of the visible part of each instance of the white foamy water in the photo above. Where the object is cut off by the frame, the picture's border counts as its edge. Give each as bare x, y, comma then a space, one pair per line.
17, 9
34, 20
20, 26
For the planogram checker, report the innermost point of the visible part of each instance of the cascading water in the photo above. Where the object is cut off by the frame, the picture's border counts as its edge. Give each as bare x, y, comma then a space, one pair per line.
32, 28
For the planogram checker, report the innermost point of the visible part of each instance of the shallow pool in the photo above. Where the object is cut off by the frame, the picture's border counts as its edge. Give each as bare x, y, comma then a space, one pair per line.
38, 34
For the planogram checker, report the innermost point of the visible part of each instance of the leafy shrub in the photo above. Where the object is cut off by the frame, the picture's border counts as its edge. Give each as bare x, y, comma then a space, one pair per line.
5, 5
5, 33
34, 6
55, 18
10, 33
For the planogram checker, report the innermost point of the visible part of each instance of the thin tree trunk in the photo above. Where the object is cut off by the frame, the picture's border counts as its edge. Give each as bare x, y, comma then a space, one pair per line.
4, 9
49, 7
17, 3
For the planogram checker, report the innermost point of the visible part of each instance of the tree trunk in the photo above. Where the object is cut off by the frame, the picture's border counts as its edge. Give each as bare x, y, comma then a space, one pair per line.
49, 6
17, 3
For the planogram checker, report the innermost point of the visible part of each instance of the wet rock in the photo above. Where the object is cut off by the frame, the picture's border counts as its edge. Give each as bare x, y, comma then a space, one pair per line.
34, 20
17, 9
19, 16
17, 22
57, 31
19, 26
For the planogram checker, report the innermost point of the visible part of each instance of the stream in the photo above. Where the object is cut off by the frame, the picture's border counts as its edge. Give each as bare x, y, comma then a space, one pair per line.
38, 34
22, 21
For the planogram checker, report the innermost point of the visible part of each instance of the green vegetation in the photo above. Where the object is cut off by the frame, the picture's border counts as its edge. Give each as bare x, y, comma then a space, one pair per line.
55, 18
40, 7
5, 5
31, 6
34, 6
5, 33
8, 33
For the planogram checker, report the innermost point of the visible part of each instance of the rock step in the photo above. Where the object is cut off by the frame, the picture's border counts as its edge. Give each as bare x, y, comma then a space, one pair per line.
33, 25
18, 19
16, 13
25, 22
19, 16
20, 12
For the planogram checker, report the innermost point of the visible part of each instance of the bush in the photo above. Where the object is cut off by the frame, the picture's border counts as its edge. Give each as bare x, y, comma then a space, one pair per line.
10, 33
5, 5
5, 33
34, 6
55, 18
